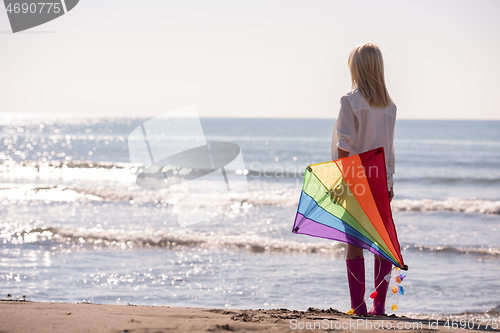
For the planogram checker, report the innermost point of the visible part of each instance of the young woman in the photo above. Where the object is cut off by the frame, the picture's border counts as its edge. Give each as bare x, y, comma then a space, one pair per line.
366, 121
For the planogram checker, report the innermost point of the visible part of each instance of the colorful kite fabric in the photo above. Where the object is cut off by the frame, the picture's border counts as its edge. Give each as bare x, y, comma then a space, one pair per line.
347, 200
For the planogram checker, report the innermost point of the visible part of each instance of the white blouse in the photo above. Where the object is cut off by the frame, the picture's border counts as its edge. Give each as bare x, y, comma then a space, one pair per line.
361, 127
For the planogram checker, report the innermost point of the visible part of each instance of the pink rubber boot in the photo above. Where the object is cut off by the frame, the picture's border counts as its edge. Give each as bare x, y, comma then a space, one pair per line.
382, 267
356, 279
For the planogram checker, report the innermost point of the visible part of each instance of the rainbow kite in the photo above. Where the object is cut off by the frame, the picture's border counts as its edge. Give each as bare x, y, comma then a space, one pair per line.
347, 200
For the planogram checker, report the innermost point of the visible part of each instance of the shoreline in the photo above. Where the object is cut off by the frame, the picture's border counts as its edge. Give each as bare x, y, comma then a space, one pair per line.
27, 316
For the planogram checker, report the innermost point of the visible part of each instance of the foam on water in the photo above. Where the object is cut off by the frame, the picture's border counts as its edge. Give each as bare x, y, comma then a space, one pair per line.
98, 238
450, 204
479, 250
285, 196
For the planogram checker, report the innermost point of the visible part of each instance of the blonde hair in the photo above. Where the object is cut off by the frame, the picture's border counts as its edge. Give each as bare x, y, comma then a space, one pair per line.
367, 72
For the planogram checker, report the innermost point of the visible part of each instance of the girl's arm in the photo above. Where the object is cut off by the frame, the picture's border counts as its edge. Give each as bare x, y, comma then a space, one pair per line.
392, 159
345, 126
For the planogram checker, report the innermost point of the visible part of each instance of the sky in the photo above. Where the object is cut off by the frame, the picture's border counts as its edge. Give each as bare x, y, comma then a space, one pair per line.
252, 59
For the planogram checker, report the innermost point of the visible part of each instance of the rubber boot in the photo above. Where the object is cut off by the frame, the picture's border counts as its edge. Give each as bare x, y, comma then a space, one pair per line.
356, 279
382, 267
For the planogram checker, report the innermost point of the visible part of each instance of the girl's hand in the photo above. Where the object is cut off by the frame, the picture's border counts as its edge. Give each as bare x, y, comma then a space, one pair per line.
342, 153
391, 193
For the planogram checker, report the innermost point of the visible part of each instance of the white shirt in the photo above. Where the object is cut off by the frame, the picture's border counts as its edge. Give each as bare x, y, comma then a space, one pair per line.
361, 127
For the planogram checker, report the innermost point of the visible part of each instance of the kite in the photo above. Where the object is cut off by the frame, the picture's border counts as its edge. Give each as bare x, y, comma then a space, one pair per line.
348, 200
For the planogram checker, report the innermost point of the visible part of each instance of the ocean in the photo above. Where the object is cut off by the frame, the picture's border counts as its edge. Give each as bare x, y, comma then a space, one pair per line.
75, 227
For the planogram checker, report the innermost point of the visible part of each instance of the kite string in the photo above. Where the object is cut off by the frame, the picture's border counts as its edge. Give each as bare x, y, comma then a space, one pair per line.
379, 268
354, 276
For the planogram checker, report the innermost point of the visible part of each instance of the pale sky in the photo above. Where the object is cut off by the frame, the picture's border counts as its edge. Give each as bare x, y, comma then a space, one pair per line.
257, 59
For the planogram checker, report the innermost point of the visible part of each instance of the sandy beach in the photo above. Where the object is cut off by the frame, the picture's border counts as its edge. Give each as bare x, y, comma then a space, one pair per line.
21, 316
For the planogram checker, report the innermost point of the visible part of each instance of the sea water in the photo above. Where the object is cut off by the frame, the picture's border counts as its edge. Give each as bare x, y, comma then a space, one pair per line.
75, 227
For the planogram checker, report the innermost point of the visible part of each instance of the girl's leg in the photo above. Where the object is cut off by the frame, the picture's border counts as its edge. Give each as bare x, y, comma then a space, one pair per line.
356, 277
382, 268
353, 252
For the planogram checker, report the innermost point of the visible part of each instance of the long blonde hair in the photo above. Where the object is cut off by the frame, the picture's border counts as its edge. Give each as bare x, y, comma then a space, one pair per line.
367, 72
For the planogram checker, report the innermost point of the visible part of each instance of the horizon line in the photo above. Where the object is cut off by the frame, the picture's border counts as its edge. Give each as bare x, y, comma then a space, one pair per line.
22, 114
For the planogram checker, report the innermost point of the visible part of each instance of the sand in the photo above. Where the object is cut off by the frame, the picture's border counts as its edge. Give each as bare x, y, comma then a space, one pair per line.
23, 316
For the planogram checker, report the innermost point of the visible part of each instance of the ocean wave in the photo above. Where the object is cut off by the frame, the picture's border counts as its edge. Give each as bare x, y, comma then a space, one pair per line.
10, 194
481, 250
451, 180
261, 195
126, 172
106, 181
69, 171
117, 238
451, 204
146, 238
